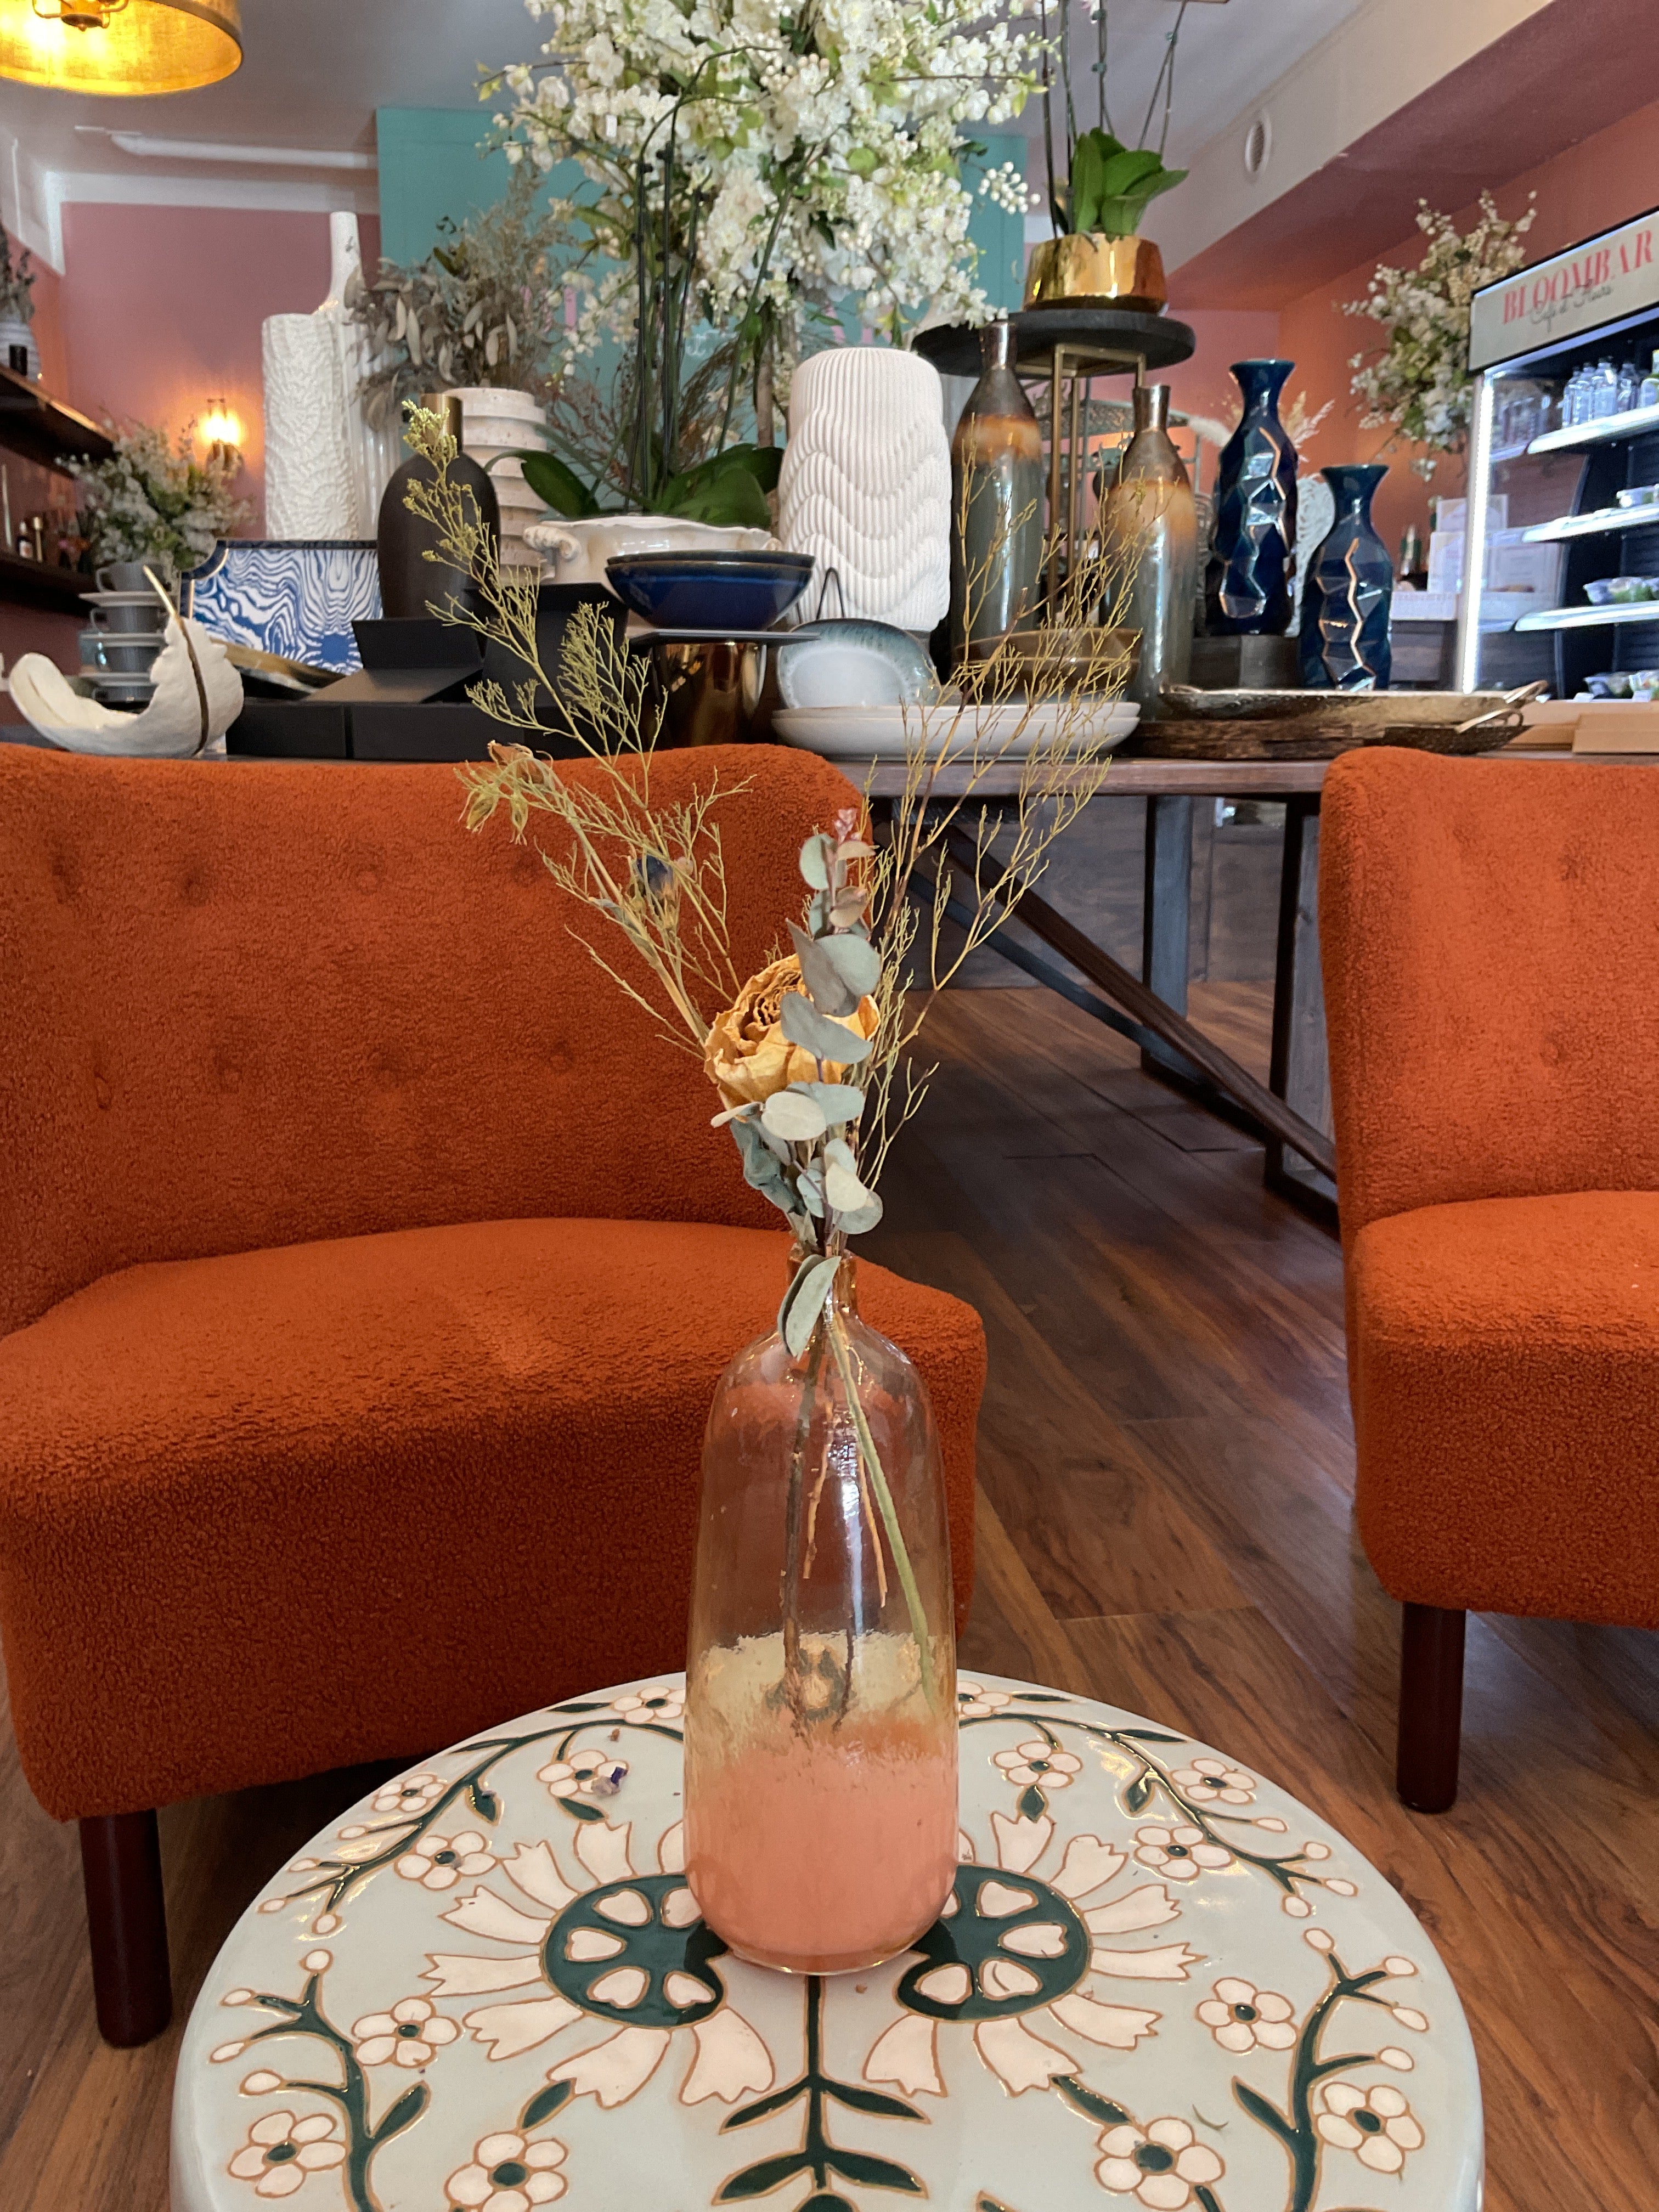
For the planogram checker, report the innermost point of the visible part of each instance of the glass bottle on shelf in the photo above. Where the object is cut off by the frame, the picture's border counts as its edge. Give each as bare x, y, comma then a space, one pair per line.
1630, 383
1573, 398
996, 504
1604, 390
1149, 520
1649, 394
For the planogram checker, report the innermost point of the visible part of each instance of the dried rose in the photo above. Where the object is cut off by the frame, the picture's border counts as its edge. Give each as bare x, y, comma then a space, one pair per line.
747, 1056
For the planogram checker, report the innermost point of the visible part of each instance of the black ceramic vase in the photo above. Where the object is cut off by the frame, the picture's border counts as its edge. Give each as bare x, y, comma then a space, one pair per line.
409, 583
1247, 586
1347, 592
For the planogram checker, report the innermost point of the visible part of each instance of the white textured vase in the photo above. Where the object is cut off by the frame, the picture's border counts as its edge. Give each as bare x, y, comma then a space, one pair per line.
865, 486
326, 464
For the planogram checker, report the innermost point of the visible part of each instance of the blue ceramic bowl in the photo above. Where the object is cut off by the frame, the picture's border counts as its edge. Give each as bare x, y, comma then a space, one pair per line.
710, 590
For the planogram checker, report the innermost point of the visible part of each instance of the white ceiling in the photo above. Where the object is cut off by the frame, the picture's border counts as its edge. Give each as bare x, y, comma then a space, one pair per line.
316, 71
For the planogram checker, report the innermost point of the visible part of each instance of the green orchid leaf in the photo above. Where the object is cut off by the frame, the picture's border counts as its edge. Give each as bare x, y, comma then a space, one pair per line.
556, 485
831, 993
1121, 173
804, 1026
730, 490
838, 1102
803, 1302
796, 1119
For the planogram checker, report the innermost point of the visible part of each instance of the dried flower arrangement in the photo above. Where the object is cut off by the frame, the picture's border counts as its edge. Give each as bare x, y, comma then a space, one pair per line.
812, 1057
482, 309
155, 501
1418, 386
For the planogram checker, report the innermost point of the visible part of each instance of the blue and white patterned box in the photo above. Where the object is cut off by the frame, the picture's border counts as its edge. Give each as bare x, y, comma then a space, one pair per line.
295, 597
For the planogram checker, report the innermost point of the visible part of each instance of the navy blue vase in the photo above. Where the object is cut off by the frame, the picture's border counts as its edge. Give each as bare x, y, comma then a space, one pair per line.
1247, 585
1347, 592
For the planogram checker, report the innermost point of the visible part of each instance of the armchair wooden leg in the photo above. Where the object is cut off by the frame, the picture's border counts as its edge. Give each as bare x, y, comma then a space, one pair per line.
127, 1924
1431, 1707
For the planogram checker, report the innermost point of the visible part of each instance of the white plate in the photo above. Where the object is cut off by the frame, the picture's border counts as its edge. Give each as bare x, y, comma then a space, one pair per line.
1012, 729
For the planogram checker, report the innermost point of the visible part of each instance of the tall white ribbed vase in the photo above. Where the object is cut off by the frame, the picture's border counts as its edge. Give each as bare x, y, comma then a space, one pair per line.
866, 484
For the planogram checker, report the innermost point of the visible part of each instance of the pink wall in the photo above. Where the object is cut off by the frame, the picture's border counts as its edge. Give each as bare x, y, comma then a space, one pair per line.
162, 308
1602, 181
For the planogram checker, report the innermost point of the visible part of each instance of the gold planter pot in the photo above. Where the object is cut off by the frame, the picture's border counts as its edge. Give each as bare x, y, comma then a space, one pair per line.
1086, 269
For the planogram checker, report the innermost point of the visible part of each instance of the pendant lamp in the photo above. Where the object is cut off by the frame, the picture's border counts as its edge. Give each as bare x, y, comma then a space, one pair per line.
120, 46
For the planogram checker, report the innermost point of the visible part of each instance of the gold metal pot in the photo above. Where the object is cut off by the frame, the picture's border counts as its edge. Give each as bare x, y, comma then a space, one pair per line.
1086, 269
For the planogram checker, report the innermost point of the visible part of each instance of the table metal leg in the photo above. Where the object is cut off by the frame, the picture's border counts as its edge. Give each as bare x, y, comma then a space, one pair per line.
1165, 948
1300, 1072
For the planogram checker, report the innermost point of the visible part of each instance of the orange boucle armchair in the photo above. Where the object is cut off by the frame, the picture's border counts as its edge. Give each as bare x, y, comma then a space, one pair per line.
1490, 934
367, 1265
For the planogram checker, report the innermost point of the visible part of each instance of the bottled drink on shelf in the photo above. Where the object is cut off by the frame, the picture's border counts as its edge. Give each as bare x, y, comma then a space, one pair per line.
1630, 383
1649, 394
1575, 398
1604, 390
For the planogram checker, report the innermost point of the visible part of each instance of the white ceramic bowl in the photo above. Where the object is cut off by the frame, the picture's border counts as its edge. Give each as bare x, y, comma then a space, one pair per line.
579, 551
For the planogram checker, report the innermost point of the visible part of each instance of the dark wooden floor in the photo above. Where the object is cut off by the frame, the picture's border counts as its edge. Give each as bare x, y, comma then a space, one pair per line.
1166, 1467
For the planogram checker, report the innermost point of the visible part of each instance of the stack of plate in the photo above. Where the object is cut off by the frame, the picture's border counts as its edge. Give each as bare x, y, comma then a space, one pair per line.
119, 650
497, 423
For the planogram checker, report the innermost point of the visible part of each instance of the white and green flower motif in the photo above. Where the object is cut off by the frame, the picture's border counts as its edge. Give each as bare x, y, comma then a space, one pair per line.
508, 2173
1377, 2125
439, 1861
1039, 1765
587, 1772
975, 1703
1007, 1951
628, 1951
411, 2034
281, 2150
1212, 1782
1241, 2017
410, 1794
1160, 2164
657, 1701
1181, 1853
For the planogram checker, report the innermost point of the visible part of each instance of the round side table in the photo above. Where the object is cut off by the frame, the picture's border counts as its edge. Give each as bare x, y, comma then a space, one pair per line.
1160, 1982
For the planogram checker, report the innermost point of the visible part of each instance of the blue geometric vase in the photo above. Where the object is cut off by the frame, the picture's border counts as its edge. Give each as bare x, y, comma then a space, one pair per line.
1247, 585
1347, 592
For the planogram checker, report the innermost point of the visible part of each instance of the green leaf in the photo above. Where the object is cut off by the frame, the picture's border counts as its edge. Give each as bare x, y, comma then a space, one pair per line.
484, 1803
815, 856
1109, 2114
804, 1026
404, 2113
1134, 1735
1258, 2109
831, 993
1032, 1803
761, 1169
802, 1302
729, 490
873, 2173
838, 1102
841, 1185
871, 2101
792, 1116
758, 2180
861, 1219
542, 2106
1138, 1793
763, 2107
557, 486
856, 959
1123, 172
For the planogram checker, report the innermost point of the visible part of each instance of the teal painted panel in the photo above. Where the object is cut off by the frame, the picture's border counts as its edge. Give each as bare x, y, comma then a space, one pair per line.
999, 236
432, 166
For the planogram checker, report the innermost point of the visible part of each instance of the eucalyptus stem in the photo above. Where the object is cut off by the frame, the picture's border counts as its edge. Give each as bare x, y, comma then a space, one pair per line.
872, 1467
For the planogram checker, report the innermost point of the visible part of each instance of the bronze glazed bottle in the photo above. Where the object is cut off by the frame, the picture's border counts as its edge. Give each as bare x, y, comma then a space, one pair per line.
996, 505
1151, 526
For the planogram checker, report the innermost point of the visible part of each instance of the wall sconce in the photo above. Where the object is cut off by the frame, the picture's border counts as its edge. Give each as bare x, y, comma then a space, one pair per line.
120, 46
220, 429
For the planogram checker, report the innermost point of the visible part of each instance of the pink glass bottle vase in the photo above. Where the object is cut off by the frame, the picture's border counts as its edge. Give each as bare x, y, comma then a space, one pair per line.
820, 1726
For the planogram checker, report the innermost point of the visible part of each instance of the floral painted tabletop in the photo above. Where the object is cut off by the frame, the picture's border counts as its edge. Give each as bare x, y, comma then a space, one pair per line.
1160, 1982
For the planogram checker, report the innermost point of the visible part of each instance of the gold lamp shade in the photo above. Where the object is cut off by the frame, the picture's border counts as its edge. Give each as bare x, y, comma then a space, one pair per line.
120, 46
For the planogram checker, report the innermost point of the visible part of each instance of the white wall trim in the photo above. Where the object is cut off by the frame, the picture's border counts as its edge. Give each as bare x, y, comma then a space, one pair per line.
33, 197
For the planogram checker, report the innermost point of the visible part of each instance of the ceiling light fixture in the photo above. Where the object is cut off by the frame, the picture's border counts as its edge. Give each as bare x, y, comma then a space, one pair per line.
121, 48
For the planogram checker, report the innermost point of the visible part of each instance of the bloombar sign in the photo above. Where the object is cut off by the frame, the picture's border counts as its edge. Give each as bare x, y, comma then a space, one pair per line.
1602, 281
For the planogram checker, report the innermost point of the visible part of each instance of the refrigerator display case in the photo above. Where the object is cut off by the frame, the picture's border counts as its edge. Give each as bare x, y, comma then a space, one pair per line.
1562, 544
